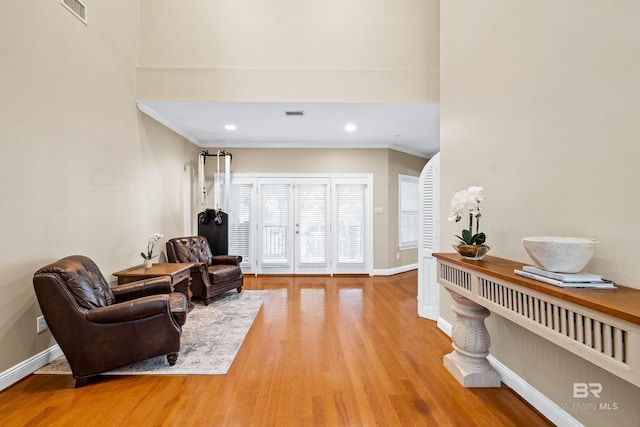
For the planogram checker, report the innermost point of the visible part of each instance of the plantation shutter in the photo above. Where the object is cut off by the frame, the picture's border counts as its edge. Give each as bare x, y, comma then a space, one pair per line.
429, 230
428, 203
351, 223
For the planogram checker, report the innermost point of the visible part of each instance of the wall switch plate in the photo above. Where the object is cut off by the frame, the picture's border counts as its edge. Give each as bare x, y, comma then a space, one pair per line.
41, 324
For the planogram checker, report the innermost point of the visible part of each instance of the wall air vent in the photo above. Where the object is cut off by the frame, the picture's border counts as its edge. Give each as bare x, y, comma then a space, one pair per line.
294, 113
77, 8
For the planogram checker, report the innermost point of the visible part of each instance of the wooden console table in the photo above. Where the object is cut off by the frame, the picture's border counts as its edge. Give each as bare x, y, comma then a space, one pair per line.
599, 325
178, 273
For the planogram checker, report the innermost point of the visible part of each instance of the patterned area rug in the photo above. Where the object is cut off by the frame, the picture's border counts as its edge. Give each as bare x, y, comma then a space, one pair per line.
210, 339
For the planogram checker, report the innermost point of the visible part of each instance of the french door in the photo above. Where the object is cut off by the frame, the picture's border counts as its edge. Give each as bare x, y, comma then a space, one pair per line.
293, 225
302, 224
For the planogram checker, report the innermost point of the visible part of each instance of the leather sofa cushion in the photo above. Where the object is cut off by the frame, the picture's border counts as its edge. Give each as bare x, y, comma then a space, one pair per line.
224, 272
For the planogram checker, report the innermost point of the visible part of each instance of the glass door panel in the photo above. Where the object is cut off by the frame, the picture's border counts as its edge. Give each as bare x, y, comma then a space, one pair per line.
275, 226
312, 225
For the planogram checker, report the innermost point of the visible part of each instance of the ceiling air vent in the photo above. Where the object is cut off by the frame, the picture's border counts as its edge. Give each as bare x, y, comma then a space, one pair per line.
77, 8
294, 113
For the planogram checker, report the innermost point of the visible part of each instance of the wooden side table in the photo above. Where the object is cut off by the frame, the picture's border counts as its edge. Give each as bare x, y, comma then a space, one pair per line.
178, 273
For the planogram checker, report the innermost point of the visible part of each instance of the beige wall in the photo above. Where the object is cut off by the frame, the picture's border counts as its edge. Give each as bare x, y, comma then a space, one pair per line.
384, 164
539, 104
400, 164
279, 50
81, 170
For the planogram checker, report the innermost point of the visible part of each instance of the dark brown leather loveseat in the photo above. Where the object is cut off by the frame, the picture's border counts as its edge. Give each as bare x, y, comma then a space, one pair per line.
212, 275
100, 328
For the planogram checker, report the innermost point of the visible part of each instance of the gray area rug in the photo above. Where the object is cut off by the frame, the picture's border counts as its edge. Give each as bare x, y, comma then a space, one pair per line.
210, 339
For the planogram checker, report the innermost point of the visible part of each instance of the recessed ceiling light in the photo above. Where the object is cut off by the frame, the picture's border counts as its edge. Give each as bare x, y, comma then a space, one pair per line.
230, 126
350, 127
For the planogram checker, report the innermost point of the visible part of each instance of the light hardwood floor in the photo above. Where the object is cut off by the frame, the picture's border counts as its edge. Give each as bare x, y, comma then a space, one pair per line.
342, 351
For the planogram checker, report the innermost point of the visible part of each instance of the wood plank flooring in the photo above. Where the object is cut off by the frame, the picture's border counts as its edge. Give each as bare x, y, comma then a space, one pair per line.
341, 351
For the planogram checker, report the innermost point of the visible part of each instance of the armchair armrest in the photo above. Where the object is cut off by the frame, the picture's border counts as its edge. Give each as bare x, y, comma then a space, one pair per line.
226, 259
130, 310
142, 288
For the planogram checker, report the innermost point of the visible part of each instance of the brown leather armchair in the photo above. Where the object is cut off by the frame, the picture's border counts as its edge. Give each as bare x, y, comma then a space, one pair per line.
212, 275
100, 328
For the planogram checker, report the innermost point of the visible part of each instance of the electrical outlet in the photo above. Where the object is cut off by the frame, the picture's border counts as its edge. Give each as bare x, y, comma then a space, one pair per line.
41, 324
397, 255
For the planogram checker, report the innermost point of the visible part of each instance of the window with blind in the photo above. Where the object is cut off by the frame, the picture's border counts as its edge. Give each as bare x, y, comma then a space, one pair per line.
240, 221
408, 216
351, 224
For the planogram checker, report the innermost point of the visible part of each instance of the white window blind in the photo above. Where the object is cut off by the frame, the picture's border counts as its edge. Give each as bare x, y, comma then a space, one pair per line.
408, 218
312, 223
274, 211
240, 221
351, 222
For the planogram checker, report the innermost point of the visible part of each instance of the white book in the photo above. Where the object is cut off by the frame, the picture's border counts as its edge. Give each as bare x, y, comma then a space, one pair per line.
564, 277
600, 284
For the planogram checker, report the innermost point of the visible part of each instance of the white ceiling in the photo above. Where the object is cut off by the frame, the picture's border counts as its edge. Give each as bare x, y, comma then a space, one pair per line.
411, 128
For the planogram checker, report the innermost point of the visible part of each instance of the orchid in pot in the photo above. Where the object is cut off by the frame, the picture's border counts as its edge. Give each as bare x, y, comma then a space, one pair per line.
148, 256
466, 204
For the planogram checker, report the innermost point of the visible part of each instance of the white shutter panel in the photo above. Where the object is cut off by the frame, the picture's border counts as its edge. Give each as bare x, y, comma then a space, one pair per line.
274, 212
351, 222
428, 203
240, 222
312, 223
428, 287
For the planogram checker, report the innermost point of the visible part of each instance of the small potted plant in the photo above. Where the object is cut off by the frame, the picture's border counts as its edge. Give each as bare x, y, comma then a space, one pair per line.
148, 256
466, 204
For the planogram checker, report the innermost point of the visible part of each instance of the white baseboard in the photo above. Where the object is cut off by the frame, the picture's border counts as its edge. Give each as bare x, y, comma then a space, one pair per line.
531, 395
29, 366
395, 270
444, 326
535, 398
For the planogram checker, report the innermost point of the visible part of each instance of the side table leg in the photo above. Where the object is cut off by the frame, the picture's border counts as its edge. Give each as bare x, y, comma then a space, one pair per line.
468, 362
185, 288
189, 294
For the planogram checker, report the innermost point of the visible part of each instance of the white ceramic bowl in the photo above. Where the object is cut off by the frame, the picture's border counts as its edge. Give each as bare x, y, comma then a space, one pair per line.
560, 254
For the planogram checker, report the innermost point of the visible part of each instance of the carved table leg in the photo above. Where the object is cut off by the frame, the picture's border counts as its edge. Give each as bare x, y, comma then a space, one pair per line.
185, 287
189, 294
468, 362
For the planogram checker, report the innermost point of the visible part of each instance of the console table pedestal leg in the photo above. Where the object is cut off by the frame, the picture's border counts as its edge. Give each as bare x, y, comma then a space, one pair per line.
468, 362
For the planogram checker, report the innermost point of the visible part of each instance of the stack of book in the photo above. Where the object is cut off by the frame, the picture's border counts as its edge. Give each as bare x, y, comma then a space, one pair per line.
566, 280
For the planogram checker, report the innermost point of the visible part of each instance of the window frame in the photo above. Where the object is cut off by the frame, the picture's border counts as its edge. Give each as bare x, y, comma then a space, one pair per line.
402, 213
